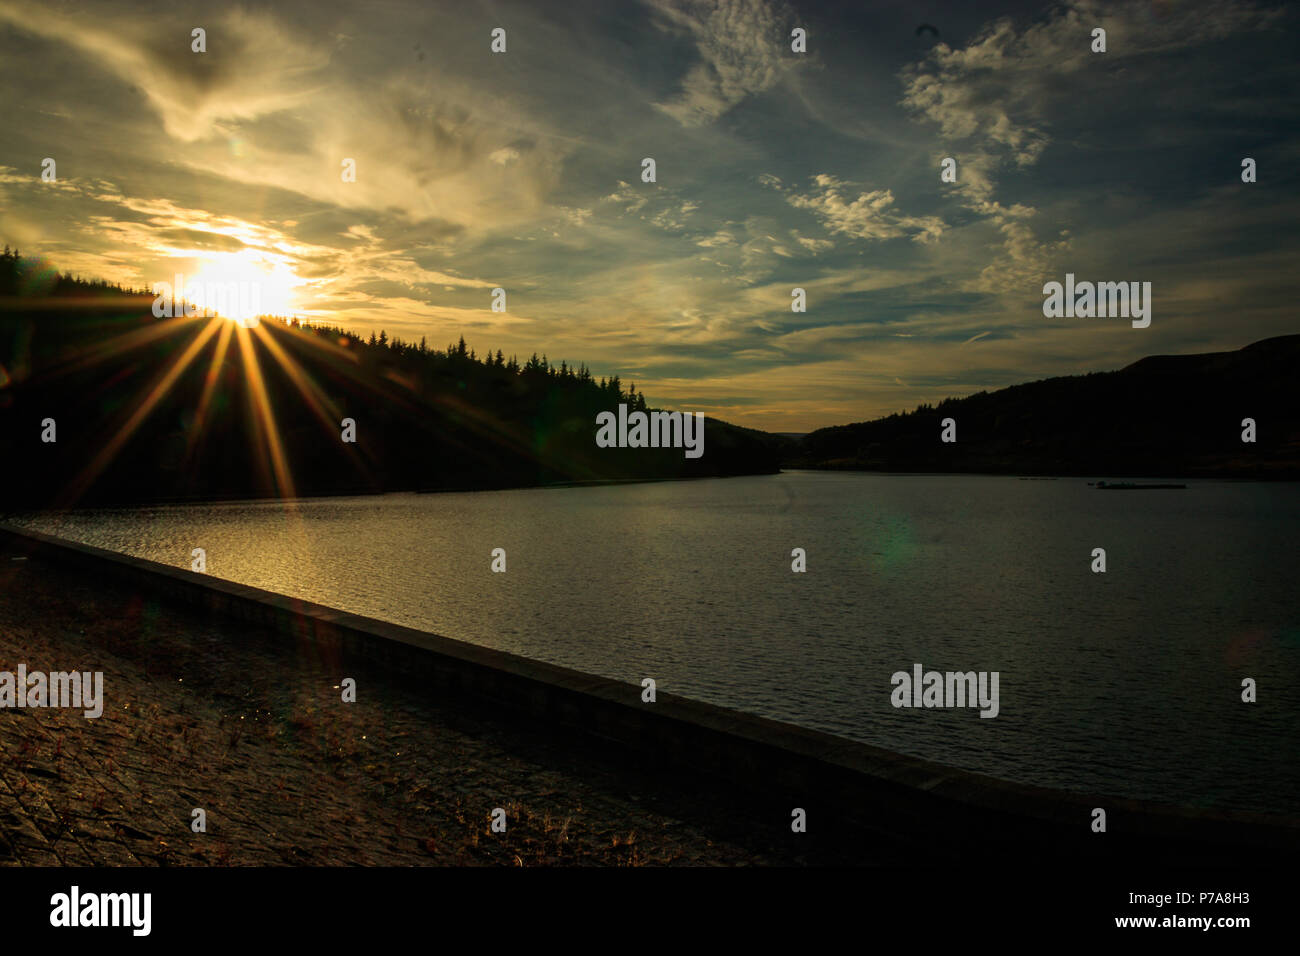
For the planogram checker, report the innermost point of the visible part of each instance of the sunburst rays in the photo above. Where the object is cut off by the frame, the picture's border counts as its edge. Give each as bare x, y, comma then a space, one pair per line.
266, 349
161, 386
269, 444
209, 390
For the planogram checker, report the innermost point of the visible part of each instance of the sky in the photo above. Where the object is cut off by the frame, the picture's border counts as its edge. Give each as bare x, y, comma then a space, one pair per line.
774, 170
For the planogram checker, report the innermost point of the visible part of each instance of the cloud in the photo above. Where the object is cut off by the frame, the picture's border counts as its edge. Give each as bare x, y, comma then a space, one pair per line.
740, 44
996, 99
575, 217
277, 106
253, 69
814, 246
1000, 92
630, 199
868, 216
720, 238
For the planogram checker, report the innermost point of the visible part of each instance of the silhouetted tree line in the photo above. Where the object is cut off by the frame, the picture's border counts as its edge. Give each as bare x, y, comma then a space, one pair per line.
425, 419
380, 349
31, 277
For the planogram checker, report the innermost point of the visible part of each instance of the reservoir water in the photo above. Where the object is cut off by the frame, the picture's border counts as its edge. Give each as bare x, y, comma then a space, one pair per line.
1127, 682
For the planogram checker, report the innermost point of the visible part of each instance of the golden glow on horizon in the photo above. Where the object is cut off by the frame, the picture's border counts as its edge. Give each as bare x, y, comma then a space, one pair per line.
265, 283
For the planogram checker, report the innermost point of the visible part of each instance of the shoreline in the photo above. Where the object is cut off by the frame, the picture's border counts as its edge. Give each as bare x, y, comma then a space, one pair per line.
91, 505
1281, 478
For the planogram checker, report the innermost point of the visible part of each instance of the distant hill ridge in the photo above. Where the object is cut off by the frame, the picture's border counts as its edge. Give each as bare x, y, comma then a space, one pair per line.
1280, 348
1161, 415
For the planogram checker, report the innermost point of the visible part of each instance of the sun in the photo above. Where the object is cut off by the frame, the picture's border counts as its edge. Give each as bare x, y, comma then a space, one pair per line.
243, 285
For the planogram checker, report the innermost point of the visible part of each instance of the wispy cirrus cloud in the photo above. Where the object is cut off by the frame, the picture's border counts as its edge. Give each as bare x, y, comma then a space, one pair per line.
741, 46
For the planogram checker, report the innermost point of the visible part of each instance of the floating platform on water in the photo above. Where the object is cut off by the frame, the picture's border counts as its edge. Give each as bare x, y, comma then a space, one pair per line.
1132, 486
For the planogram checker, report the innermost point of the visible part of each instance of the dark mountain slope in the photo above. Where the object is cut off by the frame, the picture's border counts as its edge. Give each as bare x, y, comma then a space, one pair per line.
1162, 415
